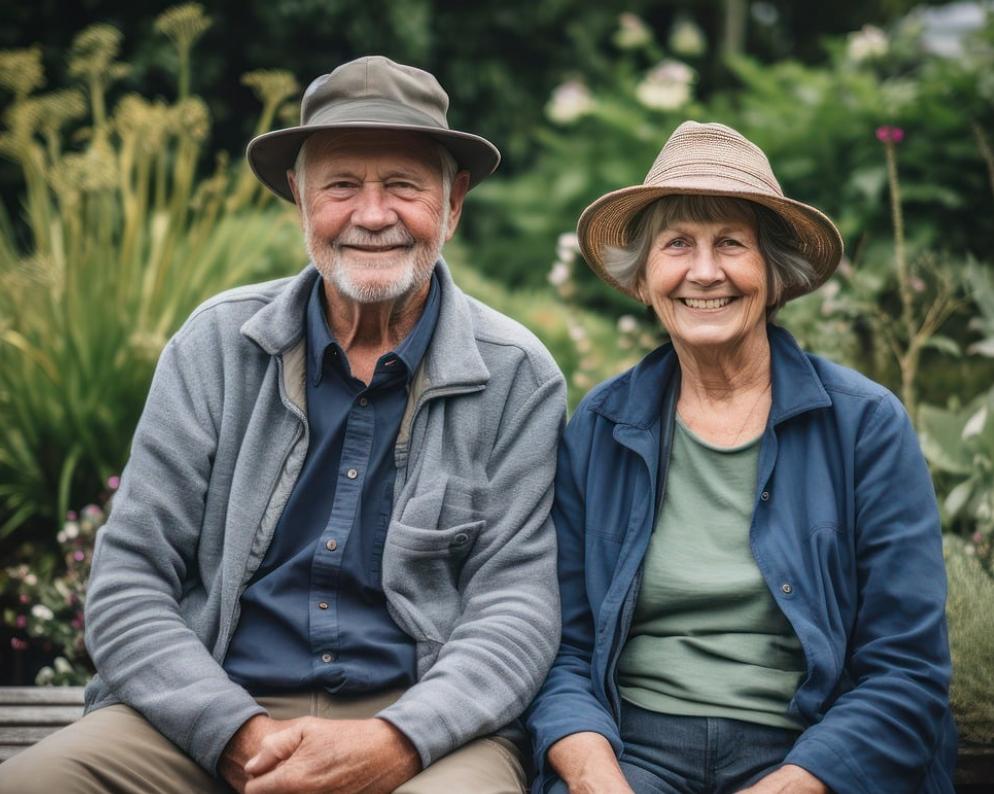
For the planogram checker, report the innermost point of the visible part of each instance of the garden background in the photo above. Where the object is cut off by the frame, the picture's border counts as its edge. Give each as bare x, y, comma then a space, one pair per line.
126, 202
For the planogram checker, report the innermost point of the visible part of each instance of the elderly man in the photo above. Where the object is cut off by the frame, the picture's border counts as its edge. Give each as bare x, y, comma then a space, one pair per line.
330, 565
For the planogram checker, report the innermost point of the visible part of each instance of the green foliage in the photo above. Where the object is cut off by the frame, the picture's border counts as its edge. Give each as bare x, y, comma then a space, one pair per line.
959, 445
971, 642
123, 241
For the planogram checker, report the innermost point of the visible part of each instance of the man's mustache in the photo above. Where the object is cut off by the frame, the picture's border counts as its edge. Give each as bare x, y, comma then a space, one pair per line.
396, 235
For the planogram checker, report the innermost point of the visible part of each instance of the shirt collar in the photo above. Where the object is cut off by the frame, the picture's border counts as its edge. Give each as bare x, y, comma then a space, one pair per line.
409, 352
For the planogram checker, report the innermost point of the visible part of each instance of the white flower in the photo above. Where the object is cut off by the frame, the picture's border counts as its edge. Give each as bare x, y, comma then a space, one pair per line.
569, 101
632, 32
627, 324
577, 332
559, 274
71, 529
30, 580
666, 86
61, 537
567, 247
869, 42
62, 665
687, 39
42, 612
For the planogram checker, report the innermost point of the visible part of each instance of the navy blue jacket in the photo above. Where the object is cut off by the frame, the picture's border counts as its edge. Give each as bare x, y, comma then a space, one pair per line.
845, 532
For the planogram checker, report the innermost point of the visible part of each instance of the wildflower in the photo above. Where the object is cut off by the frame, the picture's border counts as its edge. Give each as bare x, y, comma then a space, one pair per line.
867, 43
71, 515
21, 621
61, 537
627, 324
890, 134
184, 24
632, 32
666, 86
559, 274
569, 102
190, 118
271, 86
18, 644
78, 555
62, 665
71, 530
45, 676
21, 71
30, 580
42, 612
567, 247
93, 52
24, 598
113, 482
687, 39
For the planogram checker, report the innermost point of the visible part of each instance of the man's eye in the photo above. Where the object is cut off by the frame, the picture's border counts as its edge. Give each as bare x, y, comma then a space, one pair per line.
399, 186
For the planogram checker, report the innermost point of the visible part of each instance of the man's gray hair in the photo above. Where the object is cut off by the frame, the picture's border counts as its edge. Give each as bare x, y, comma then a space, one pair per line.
787, 270
447, 163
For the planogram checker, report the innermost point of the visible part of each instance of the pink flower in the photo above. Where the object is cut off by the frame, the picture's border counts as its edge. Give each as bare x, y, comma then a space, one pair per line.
113, 482
18, 644
21, 621
889, 134
78, 556
24, 598
71, 515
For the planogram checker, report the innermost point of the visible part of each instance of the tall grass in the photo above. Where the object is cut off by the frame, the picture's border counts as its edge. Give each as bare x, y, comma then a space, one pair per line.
118, 242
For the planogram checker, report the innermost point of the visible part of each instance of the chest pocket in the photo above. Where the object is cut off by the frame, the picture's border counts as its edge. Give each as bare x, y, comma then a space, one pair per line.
426, 550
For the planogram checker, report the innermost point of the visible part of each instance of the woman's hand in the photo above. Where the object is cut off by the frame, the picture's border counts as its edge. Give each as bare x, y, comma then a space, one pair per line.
788, 779
586, 763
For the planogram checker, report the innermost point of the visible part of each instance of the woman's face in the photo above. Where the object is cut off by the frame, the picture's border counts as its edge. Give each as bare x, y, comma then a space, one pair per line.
707, 283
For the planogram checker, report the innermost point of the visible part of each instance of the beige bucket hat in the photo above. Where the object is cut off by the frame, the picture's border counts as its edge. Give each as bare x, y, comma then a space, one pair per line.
370, 93
712, 160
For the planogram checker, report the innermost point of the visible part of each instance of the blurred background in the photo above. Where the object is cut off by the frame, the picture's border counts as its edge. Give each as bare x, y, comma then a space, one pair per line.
126, 202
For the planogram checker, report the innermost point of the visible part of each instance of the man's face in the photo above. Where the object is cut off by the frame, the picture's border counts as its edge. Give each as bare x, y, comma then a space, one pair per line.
375, 212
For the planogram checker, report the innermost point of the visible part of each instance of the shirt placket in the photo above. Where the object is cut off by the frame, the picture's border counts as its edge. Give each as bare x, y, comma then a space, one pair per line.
329, 551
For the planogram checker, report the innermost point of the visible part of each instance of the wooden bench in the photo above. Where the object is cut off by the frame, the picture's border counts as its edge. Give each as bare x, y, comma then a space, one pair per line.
29, 714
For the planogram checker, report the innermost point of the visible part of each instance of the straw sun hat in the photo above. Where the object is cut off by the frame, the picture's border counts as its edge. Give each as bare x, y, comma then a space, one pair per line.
710, 160
371, 93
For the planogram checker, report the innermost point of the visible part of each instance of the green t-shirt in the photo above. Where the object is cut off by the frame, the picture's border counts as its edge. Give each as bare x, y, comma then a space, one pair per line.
707, 638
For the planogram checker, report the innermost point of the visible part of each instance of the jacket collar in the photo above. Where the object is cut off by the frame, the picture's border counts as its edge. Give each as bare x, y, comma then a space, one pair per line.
635, 398
452, 358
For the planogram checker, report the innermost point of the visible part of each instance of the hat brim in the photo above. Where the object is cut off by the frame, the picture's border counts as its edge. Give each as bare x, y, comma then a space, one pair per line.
272, 154
607, 223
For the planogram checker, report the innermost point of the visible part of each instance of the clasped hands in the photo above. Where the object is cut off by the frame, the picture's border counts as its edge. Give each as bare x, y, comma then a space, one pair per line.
310, 754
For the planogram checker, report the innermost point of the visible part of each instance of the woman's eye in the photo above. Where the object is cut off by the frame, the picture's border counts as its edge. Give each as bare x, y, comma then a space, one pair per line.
728, 241
677, 242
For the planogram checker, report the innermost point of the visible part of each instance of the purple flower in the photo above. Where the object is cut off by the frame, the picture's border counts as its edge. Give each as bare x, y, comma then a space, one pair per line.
21, 621
78, 556
113, 482
71, 515
890, 134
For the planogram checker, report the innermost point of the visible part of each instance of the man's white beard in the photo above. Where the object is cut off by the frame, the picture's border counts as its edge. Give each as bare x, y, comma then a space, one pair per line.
335, 264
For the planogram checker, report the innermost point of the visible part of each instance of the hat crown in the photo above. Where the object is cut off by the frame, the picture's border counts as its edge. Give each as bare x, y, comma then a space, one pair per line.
376, 79
698, 154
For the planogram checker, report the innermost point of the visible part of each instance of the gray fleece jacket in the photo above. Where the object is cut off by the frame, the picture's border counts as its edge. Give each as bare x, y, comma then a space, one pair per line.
469, 568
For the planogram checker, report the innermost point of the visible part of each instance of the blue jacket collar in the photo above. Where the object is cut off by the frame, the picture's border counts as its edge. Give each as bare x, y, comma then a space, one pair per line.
635, 397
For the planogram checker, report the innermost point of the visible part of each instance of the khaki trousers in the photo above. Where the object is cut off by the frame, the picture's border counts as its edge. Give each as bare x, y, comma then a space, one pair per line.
114, 750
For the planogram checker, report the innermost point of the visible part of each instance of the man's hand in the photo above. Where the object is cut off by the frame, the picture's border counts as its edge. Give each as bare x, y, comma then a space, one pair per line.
245, 744
788, 779
586, 763
345, 756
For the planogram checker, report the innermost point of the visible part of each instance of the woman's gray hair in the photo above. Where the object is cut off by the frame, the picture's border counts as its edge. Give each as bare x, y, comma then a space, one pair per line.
787, 269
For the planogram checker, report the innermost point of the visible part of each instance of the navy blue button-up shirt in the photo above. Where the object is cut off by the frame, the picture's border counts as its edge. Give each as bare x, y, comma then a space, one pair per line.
314, 614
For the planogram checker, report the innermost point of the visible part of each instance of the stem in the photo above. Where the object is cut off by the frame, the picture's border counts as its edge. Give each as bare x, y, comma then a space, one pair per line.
909, 361
985, 151
184, 72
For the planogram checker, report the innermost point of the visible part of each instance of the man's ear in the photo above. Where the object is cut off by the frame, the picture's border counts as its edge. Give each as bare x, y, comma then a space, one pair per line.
460, 186
291, 178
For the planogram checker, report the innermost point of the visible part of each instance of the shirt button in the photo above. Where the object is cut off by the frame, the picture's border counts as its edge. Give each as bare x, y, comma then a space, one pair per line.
786, 589
363, 402
327, 658
331, 545
352, 474
323, 605
765, 496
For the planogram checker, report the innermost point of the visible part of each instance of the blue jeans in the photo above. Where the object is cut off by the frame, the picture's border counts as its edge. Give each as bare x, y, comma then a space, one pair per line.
664, 754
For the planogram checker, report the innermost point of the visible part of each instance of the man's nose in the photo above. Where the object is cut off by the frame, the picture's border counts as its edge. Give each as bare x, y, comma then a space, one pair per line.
372, 209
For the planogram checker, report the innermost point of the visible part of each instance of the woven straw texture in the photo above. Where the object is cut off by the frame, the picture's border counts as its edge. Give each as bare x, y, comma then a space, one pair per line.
713, 160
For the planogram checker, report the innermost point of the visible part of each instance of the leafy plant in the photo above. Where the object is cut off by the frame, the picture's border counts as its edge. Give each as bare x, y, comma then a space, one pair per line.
120, 242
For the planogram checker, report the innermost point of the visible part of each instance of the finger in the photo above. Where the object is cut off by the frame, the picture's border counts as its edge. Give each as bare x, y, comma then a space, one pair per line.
275, 782
276, 747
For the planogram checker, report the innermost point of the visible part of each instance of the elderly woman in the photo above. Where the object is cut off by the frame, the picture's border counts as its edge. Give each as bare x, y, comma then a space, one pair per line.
750, 560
